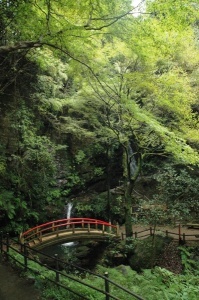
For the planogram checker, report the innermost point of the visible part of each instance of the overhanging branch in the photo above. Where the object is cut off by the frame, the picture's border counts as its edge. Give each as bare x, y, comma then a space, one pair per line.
19, 46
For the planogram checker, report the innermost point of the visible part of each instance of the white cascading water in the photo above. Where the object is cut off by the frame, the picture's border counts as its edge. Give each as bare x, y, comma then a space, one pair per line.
68, 210
69, 207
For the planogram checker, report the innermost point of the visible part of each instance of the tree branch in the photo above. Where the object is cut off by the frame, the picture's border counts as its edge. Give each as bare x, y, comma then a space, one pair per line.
20, 46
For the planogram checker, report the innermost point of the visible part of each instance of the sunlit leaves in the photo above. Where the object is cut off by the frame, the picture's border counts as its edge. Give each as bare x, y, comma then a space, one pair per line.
174, 13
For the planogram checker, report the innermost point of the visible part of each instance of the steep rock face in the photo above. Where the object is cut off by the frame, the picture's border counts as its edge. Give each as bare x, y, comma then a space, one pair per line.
17, 79
21, 140
25, 128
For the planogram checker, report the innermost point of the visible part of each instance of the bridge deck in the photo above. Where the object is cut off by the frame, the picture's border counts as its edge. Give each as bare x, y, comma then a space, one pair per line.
67, 230
68, 236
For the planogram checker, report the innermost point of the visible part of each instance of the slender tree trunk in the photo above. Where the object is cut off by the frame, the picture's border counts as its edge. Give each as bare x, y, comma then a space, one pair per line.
128, 209
131, 179
108, 153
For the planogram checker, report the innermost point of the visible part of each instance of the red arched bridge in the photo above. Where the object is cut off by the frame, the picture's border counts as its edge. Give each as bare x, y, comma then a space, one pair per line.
67, 230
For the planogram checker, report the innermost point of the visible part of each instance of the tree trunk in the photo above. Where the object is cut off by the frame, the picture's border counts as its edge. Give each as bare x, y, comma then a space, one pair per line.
20, 46
128, 209
131, 179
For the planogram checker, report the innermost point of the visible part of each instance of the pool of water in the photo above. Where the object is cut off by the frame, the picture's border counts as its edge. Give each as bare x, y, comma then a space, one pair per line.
83, 254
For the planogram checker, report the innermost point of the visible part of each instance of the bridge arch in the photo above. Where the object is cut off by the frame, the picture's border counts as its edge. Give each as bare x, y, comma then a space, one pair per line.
67, 230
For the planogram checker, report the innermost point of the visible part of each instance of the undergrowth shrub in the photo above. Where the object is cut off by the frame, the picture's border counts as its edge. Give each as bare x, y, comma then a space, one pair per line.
151, 284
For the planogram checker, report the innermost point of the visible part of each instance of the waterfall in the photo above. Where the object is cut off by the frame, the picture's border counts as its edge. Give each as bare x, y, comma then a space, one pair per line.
132, 161
68, 209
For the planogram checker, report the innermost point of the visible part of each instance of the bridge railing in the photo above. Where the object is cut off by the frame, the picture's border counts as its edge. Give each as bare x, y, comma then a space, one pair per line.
180, 236
73, 225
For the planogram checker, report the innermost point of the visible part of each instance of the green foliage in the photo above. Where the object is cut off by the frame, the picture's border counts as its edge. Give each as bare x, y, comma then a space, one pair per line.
146, 252
2, 166
191, 266
99, 206
177, 188
83, 209
96, 80
28, 171
154, 284
80, 156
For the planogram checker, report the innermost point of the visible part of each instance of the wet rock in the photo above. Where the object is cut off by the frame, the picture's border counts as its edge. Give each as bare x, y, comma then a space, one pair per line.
82, 251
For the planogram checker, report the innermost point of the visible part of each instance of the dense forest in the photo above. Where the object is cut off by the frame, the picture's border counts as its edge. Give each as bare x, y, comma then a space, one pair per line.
99, 106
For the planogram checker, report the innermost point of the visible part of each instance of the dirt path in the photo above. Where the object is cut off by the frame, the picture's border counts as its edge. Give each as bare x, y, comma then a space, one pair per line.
13, 287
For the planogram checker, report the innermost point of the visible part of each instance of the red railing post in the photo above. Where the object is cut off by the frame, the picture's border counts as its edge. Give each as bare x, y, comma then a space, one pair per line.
73, 227
82, 223
68, 223
40, 236
57, 231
